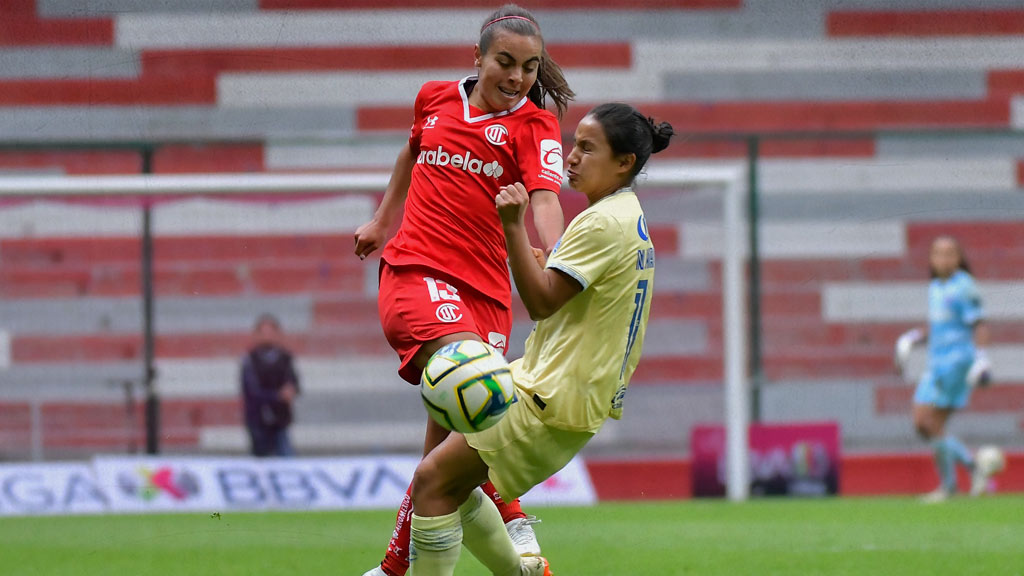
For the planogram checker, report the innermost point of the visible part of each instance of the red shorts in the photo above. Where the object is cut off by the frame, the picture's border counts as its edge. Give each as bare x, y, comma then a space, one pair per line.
417, 305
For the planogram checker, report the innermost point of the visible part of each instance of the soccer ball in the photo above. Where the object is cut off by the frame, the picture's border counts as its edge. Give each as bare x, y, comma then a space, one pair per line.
990, 459
467, 386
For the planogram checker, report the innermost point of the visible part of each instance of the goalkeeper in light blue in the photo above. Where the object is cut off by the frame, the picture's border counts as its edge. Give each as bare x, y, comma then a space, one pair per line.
957, 363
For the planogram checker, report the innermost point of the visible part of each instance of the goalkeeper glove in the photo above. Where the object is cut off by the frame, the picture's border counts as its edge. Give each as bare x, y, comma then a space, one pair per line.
904, 344
980, 373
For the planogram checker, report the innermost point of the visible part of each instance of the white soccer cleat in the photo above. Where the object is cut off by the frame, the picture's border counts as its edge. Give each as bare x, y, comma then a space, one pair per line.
937, 496
378, 571
534, 566
523, 537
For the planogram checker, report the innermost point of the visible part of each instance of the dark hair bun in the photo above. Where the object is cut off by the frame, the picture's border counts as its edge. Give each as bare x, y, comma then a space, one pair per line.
661, 133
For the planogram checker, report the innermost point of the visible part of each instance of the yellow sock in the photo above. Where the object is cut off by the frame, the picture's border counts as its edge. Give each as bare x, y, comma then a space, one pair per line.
436, 543
484, 535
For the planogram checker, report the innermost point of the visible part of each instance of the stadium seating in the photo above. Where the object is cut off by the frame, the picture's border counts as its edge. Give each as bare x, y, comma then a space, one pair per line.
326, 85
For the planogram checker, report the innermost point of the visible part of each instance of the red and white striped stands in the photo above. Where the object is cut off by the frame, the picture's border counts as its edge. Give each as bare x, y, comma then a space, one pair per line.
963, 22
314, 85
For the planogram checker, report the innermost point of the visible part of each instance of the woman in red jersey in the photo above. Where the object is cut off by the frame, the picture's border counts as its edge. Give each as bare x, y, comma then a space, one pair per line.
444, 276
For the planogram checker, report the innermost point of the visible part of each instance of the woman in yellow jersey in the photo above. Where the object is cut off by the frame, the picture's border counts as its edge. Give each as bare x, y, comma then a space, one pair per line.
591, 302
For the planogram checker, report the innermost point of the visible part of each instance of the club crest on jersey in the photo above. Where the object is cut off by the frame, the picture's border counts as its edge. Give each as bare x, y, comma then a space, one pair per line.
465, 161
496, 134
429, 122
448, 312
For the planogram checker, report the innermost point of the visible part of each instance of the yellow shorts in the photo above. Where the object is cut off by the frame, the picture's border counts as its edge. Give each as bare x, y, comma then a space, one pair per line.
521, 451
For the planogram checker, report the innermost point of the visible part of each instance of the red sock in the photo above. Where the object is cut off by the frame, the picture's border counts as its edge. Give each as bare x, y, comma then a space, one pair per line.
396, 560
509, 510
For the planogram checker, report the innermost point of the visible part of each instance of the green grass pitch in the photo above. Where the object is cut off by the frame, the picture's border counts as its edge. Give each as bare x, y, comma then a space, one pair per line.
890, 536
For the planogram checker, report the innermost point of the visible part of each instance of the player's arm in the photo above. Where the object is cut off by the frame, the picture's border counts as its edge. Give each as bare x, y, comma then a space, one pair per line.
547, 217
538, 153
371, 236
543, 290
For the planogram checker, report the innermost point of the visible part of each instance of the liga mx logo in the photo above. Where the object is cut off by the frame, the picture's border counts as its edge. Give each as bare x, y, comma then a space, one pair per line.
498, 340
147, 485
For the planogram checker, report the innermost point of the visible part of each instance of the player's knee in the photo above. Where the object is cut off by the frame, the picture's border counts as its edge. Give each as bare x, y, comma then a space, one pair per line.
921, 426
920, 421
425, 482
430, 483
925, 426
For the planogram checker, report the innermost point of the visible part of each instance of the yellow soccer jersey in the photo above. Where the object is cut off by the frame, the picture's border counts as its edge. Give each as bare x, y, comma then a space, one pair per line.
578, 362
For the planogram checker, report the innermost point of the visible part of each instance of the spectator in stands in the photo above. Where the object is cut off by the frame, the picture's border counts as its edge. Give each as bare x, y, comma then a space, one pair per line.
956, 336
269, 388
444, 277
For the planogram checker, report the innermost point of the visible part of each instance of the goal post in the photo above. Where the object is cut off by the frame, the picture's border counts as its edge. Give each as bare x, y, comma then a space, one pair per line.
189, 184
730, 181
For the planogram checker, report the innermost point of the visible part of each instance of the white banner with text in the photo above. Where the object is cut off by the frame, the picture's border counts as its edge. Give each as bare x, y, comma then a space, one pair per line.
126, 484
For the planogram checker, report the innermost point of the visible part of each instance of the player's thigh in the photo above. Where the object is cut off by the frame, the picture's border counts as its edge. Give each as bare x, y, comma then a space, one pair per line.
956, 386
930, 420
412, 308
927, 391
427, 349
493, 321
419, 313
449, 472
521, 451
948, 387
434, 436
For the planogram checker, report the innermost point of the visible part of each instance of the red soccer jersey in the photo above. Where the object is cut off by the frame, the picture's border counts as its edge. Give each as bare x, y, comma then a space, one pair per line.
463, 157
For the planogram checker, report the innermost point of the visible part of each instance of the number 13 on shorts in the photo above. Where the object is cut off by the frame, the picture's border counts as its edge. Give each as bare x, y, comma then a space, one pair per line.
440, 290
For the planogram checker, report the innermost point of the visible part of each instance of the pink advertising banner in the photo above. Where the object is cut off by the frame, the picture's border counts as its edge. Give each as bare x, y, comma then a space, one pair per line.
795, 459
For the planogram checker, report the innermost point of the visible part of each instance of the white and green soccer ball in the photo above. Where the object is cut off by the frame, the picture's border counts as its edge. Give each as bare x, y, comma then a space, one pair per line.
467, 386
